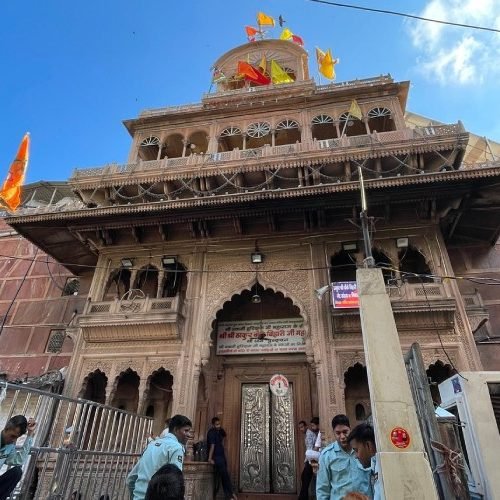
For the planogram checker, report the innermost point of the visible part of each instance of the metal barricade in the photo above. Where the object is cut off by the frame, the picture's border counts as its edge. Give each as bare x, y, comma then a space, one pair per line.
82, 450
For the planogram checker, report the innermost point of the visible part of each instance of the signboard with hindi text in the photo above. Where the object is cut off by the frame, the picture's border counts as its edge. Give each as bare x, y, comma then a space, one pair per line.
261, 337
345, 295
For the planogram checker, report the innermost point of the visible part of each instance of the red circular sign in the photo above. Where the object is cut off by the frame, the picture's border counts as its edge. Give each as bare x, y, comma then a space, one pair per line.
400, 437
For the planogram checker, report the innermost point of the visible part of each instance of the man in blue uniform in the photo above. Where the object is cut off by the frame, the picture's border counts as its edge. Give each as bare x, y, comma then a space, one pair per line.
339, 471
216, 456
161, 451
10, 455
362, 440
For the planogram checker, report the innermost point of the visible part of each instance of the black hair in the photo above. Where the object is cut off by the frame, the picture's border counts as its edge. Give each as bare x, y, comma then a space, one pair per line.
167, 483
340, 420
215, 419
18, 421
362, 433
303, 422
315, 420
178, 421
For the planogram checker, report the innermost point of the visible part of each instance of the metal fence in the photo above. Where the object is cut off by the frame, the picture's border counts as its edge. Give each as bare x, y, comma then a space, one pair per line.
82, 450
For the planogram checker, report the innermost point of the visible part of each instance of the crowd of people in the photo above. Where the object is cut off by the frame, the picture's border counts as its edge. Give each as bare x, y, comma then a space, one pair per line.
343, 470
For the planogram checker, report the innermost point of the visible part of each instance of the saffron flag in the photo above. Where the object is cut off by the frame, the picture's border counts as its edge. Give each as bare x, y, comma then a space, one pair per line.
252, 74
286, 34
319, 56
355, 110
279, 75
326, 64
263, 64
264, 19
251, 33
11, 190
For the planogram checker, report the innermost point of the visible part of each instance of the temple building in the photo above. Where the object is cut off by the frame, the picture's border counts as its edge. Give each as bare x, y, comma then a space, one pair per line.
202, 258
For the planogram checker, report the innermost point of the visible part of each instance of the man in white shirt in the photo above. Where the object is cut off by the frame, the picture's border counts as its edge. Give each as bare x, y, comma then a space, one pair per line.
307, 473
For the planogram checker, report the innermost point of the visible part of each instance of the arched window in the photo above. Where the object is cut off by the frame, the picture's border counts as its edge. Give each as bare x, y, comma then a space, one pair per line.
356, 390
259, 134
287, 132
126, 393
118, 284
149, 148
147, 281
323, 128
343, 267
197, 143
350, 125
230, 138
381, 260
380, 120
360, 412
175, 279
174, 145
412, 261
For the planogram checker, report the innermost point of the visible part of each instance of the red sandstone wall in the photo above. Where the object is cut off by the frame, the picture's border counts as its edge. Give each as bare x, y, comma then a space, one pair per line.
38, 308
484, 261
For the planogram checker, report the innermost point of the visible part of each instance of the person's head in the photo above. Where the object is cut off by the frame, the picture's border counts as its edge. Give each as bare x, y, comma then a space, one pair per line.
362, 441
166, 484
314, 424
180, 427
14, 428
216, 422
341, 429
302, 426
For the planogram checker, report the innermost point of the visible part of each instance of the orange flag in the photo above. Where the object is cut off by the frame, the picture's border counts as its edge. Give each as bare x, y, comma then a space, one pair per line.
11, 190
251, 33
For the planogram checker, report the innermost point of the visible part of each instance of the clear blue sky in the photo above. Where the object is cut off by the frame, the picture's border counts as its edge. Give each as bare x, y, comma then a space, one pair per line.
72, 71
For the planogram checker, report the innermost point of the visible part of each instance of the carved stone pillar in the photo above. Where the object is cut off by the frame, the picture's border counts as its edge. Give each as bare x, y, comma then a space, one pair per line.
142, 395
184, 146
367, 126
161, 277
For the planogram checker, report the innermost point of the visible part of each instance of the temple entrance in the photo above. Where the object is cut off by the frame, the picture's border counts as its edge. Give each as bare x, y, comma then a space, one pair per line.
257, 334
267, 448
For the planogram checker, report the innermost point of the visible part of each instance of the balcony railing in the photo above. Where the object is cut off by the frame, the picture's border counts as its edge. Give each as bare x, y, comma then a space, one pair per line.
199, 160
120, 320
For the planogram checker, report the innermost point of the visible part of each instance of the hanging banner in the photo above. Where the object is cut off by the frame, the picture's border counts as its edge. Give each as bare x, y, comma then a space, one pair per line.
261, 337
345, 294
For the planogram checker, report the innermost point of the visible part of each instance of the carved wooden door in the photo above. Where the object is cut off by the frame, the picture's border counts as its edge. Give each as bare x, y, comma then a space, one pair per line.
267, 453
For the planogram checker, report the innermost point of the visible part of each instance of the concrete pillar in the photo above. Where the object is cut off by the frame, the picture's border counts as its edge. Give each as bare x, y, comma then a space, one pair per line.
404, 469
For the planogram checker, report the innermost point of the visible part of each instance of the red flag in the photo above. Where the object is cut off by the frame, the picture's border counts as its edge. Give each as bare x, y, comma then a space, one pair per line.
251, 33
11, 190
252, 74
296, 39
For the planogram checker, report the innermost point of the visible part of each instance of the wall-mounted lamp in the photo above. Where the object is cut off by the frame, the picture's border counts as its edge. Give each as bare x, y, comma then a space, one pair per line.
402, 243
350, 246
257, 257
319, 292
256, 298
168, 260
127, 262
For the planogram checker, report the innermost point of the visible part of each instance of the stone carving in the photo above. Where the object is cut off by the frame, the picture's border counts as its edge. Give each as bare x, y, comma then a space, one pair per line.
348, 359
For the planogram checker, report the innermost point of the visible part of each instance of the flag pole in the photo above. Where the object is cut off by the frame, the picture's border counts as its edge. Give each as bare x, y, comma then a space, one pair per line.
345, 124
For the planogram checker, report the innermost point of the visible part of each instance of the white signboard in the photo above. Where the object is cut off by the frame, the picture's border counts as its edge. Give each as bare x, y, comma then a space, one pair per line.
279, 385
261, 337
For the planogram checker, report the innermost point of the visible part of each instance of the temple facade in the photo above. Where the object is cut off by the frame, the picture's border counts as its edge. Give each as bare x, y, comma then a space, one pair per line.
206, 253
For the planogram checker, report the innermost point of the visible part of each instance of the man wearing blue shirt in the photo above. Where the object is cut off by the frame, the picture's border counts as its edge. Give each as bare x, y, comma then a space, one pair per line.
362, 440
161, 451
10, 455
339, 471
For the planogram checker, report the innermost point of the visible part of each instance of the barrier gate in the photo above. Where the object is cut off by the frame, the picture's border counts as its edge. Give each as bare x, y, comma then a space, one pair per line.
82, 450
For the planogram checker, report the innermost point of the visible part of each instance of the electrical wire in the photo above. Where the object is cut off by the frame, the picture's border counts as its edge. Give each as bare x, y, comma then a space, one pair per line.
410, 16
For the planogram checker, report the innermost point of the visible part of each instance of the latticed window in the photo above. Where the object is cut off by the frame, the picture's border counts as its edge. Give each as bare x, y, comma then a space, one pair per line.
318, 120
71, 287
259, 129
287, 124
230, 131
376, 112
56, 340
151, 141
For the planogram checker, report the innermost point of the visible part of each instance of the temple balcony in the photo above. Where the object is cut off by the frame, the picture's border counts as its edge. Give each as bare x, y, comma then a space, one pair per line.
144, 318
416, 307
418, 140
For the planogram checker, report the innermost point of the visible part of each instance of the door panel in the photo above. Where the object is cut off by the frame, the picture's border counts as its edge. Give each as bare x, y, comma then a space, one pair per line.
283, 443
267, 453
254, 452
